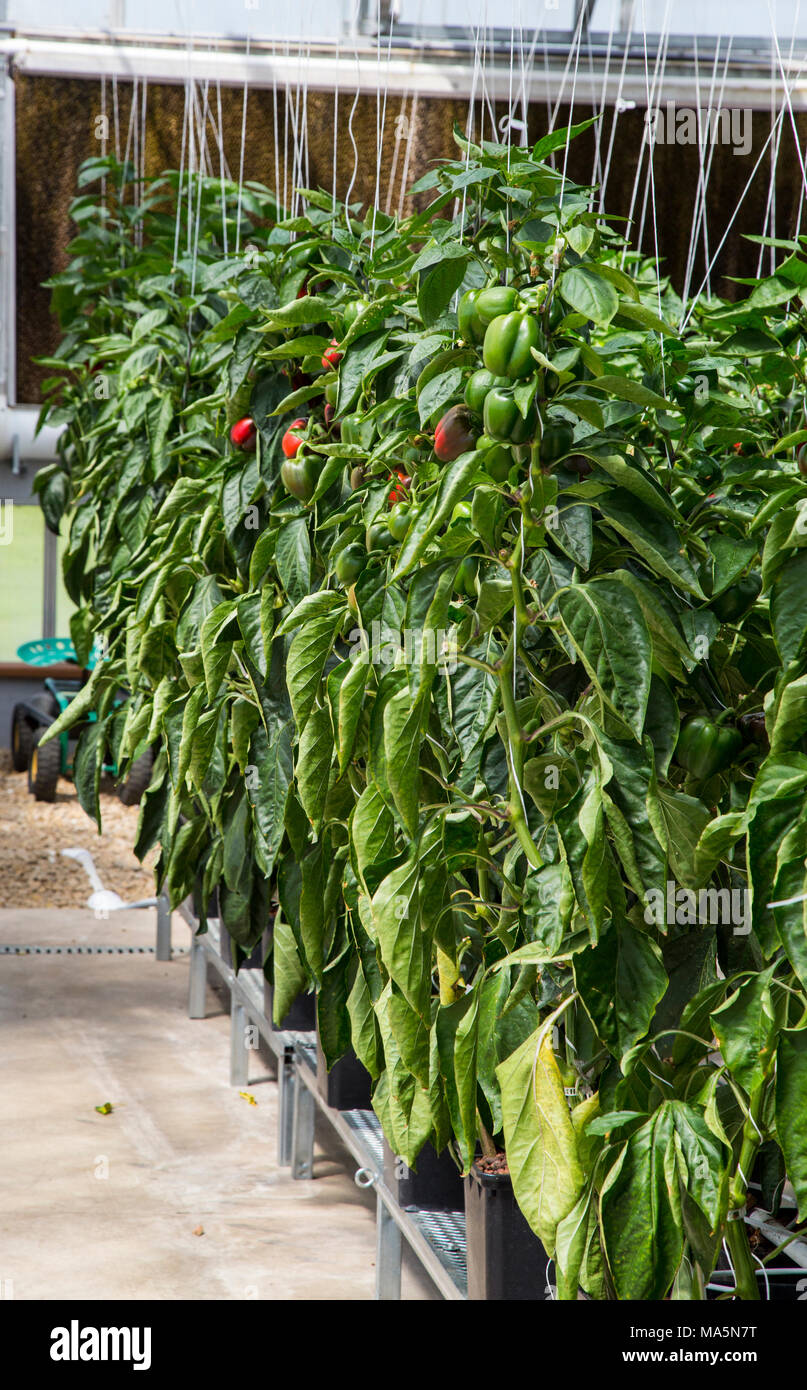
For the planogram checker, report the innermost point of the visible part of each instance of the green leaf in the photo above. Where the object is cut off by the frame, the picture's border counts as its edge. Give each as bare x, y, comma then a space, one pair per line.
791, 1108
610, 634
652, 536
308, 652
437, 284
314, 763
405, 947
788, 612
372, 833
293, 558
349, 706
268, 786
744, 1028
641, 1212
587, 292
458, 477
621, 980
629, 390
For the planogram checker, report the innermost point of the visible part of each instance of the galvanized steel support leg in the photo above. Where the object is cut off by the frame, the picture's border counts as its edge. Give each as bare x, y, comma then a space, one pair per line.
239, 1052
287, 1081
197, 987
389, 1253
302, 1133
163, 929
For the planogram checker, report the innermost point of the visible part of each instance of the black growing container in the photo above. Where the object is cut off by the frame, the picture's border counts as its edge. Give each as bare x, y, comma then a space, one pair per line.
254, 960
506, 1260
347, 1085
301, 1017
436, 1186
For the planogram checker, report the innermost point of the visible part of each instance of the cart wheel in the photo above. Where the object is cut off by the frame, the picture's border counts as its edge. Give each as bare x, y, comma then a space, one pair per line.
22, 739
131, 790
44, 767
23, 730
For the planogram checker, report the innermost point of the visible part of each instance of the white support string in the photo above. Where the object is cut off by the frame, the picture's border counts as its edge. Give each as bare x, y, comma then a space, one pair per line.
241, 158
660, 66
617, 110
410, 139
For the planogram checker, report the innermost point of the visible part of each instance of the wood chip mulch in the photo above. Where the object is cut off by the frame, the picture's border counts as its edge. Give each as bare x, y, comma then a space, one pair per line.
33, 872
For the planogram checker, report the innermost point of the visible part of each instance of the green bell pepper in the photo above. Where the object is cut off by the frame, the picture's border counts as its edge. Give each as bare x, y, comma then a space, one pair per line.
503, 419
471, 328
706, 747
508, 342
492, 303
300, 475
477, 387
556, 441
350, 562
737, 600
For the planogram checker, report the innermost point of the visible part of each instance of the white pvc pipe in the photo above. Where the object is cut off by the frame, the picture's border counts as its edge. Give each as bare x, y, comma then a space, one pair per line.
17, 439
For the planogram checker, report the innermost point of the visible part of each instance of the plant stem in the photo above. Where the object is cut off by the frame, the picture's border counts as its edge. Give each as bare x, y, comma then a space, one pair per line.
737, 1230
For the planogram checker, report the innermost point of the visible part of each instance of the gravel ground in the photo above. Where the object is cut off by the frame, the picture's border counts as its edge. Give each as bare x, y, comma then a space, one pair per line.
33, 873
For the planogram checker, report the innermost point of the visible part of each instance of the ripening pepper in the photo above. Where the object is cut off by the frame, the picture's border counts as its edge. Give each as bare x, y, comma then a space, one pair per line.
706, 747
503, 419
509, 339
455, 434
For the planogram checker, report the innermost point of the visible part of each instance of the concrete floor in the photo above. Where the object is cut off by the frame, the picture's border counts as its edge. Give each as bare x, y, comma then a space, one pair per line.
107, 1206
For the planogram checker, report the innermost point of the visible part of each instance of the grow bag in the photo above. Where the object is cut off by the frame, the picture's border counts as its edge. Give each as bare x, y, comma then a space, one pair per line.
506, 1260
436, 1186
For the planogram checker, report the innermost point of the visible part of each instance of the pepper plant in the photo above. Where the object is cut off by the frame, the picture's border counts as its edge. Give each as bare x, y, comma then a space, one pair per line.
462, 594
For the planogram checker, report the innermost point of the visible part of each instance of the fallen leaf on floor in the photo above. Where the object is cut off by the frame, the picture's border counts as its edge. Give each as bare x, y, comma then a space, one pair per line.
200, 1230
105, 1109
248, 1097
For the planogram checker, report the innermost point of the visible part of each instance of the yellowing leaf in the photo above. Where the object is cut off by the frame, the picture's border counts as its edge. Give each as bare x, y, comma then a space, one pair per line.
540, 1140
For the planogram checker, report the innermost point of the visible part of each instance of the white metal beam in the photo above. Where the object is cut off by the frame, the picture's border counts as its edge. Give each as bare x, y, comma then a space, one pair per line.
425, 71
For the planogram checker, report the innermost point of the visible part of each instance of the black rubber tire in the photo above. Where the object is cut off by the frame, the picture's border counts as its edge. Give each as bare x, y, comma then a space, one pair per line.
130, 792
44, 767
22, 739
23, 728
